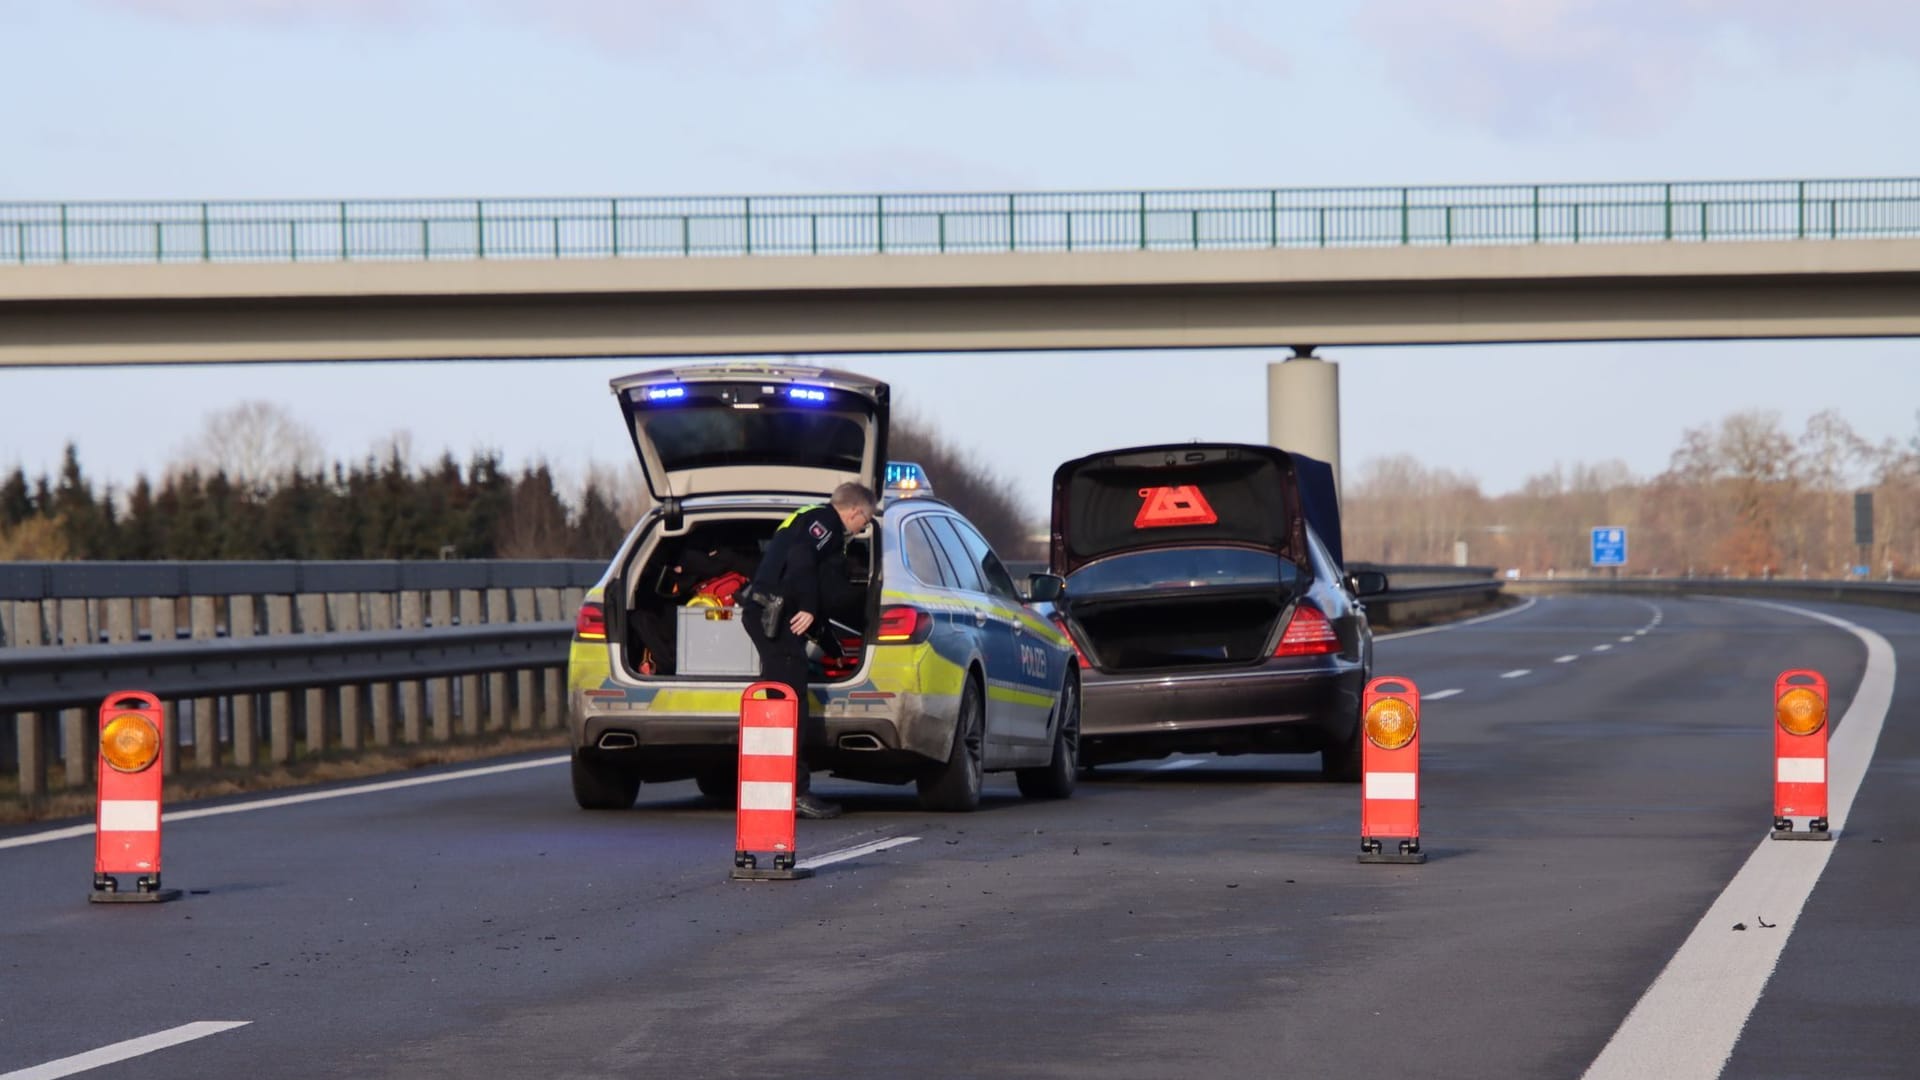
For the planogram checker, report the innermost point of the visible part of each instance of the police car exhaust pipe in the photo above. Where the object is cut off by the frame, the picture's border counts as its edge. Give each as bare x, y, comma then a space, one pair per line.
618, 740
860, 742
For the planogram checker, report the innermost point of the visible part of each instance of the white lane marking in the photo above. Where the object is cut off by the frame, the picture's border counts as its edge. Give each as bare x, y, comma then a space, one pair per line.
121, 1051
292, 800
1686, 1024
1531, 600
1517, 673
844, 854
1627, 639
1567, 659
1440, 695
1640, 633
1179, 763
1601, 648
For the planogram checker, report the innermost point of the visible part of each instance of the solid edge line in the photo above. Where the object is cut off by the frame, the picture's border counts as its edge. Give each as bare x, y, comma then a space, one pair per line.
844, 854
1531, 600
72, 831
122, 1051
1687, 1023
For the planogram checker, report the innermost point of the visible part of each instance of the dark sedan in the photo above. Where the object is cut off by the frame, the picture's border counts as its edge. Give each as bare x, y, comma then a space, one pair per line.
1206, 596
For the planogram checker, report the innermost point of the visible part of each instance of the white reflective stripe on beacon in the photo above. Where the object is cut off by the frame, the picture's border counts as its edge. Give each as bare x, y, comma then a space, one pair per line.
1391, 785
1801, 770
129, 815
765, 795
767, 741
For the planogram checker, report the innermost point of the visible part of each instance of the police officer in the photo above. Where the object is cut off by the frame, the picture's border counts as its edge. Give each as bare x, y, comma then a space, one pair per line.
804, 568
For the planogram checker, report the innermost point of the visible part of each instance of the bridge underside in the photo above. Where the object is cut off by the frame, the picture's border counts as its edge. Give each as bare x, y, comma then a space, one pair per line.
230, 313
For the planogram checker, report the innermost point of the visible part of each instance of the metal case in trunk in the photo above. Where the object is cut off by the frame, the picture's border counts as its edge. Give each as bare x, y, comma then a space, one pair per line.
711, 641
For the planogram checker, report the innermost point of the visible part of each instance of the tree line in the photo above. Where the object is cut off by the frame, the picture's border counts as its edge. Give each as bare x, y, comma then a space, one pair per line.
1741, 497
252, 487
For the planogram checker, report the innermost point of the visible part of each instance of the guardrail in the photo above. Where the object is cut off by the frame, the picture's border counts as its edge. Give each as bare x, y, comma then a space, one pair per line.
620, 227
350, 654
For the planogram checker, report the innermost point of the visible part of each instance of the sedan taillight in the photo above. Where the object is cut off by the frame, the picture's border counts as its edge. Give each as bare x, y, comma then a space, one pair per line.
902, 624
1071, 640
1308, 633
591, 622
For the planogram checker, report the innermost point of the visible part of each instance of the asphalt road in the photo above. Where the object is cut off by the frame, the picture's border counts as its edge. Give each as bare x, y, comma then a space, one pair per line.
1583, 808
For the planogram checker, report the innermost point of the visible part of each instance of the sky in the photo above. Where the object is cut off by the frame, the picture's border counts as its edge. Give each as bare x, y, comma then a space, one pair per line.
273, 99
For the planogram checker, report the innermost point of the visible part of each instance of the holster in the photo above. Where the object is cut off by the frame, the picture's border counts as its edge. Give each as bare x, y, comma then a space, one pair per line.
769, 605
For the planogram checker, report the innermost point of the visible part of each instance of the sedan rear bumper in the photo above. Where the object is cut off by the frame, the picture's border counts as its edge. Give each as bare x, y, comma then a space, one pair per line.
1280, 707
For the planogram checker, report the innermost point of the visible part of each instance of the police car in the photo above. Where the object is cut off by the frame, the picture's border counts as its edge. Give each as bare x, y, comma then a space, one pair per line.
935, 670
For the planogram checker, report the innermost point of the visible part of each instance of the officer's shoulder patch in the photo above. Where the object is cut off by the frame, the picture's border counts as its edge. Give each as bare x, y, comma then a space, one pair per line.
819, 530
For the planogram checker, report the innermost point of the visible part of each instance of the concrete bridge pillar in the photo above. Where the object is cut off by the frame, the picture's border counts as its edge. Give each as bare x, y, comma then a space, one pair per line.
1303, 407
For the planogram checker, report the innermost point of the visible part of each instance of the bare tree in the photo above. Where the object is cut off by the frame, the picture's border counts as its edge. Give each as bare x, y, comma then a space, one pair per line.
257, 444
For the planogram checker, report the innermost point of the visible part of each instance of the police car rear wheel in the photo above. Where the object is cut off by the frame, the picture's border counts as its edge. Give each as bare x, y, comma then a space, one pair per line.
602, 785
955, 786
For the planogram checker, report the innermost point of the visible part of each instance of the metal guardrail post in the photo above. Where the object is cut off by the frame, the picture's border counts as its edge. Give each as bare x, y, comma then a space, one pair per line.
206, 235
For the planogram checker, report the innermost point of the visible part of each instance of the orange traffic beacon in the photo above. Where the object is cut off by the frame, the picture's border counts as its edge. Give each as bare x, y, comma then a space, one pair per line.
133, 728
763, 822
1390, 770
1800, 755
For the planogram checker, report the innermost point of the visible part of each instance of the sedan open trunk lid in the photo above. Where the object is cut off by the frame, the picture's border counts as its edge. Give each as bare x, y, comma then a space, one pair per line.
1188, 495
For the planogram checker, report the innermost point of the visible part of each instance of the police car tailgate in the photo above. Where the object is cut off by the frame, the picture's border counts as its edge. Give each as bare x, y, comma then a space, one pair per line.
754, 429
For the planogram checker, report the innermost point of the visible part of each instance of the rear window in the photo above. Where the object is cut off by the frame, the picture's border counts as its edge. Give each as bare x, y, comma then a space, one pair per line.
702, 425
1169, 569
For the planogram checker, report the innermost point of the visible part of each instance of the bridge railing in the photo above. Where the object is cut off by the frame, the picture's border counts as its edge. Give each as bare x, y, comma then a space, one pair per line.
622, 227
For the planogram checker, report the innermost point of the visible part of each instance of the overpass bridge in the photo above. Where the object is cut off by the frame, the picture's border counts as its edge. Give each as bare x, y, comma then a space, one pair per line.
233, 282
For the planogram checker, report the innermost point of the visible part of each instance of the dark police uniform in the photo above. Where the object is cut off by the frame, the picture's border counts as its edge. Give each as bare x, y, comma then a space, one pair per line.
805, 567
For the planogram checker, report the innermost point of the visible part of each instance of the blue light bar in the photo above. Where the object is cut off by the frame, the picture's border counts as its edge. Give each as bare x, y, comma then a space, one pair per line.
808, 394
906, 476
675, 392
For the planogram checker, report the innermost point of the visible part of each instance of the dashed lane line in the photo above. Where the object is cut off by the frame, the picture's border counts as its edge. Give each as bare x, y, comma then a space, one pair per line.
1567, 659
1517, 673
1686, 1024
123, 1051
1440, 695
1601, 648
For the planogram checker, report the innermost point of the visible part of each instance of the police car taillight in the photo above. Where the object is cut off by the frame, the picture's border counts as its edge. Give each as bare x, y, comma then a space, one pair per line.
591, 622
1308, 634
902, 624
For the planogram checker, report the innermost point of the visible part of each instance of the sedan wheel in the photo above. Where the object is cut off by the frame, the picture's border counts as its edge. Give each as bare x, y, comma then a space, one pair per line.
955, 786
1055, 779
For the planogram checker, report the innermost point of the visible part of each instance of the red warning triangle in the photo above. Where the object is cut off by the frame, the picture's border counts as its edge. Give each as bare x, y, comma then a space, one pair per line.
1161, 507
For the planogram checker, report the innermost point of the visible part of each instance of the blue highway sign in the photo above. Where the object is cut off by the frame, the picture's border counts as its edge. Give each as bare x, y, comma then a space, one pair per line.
1609, 546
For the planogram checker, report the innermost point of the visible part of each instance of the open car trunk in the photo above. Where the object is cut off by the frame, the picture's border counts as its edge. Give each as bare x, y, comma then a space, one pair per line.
1186, 555
1198, 628
679, 614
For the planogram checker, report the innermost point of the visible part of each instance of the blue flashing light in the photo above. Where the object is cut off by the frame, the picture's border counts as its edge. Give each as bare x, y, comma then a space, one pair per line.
675, 392
810, 395
906, 476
